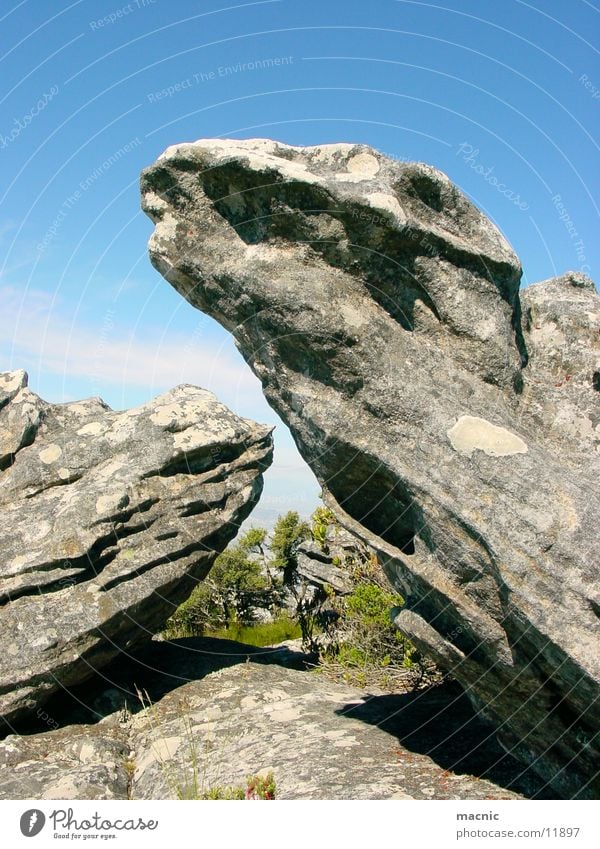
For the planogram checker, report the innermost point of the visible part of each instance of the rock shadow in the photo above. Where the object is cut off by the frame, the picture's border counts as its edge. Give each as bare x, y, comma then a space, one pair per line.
441, 723
157, 669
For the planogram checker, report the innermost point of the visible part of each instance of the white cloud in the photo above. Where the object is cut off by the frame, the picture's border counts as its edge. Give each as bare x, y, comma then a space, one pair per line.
34, 329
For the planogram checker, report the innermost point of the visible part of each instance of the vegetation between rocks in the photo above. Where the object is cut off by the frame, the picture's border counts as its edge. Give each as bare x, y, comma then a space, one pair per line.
257, 593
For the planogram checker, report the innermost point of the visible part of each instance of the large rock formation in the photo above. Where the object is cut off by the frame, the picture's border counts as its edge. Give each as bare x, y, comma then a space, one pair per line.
452, 423
108, 520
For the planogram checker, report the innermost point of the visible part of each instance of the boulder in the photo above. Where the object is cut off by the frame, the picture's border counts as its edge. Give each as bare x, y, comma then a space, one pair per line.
320, 571
328, 565
451, 421
107, 521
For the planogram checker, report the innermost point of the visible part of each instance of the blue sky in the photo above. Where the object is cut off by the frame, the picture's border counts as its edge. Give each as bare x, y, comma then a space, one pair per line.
91, 92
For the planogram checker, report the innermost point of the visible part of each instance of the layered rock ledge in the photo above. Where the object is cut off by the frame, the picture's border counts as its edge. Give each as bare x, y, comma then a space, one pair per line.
452, 421
107, 521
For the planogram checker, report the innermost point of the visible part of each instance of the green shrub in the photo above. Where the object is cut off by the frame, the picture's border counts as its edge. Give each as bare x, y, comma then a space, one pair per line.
370, 605
261, 788
226, 793
288, 533
257, 787
368, 636
238, 581
200, 611
365, 648
322, 518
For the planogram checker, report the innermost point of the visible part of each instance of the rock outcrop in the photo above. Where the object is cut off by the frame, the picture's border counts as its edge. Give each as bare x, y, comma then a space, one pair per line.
452, 422
108, 520
233, 710
328, 565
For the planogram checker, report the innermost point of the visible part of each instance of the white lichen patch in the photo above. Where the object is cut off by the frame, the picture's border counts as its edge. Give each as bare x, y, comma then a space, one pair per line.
548, 334
45, 640
165, 232
364, 165
155, 201
289, 170
50, 454
13, 567
122, 429
17, 562
380, 200
113, 501
65, 788
486, 329
179, 413
166, 748
329, 153
171, 151
335, 734
109, 470
39, 530
345, 743
92, 429
352, 316
579, 426
189, 440
277, 694
471, 433
194, 422
87, 753
283, 713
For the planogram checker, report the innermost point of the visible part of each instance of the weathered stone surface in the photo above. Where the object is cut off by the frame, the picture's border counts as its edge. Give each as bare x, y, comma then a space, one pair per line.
562, 389
321, 571
328, 565
107, 521
381, 311
236, 710
76, 762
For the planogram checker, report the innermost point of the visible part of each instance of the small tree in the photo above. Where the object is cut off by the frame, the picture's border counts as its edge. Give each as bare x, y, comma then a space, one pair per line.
236, 578
237, 581
288, 533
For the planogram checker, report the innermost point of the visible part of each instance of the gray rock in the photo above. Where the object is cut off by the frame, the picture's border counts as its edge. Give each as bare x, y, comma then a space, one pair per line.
328, 565
322, 740
381, 311
302, 729
322, 573
76, 762
107, 521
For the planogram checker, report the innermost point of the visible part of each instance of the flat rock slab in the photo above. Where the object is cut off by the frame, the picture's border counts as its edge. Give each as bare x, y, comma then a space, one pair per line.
245, 711
315, 736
